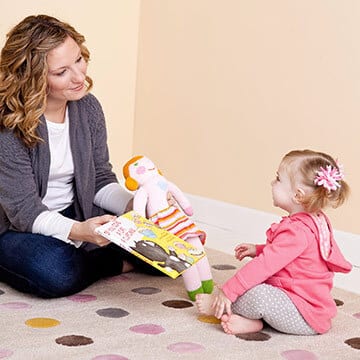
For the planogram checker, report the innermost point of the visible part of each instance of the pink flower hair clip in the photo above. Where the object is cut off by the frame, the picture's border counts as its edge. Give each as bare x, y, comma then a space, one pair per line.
329, 178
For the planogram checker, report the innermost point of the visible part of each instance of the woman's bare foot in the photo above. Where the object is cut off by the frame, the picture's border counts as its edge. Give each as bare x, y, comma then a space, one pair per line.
235, 324
204, 303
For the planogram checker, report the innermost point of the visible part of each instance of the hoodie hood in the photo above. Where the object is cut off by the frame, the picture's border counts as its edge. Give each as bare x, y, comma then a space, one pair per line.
320, 225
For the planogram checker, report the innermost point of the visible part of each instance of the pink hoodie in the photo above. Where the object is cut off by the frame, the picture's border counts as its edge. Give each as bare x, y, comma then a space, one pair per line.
292, 261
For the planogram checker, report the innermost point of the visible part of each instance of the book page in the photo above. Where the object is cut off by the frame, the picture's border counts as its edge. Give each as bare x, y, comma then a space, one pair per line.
158, 247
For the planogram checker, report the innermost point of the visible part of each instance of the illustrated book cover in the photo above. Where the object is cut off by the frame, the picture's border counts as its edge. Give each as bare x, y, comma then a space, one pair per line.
158, 247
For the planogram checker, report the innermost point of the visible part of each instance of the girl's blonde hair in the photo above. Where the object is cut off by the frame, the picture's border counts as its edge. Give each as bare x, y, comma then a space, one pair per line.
24, 70
305, 164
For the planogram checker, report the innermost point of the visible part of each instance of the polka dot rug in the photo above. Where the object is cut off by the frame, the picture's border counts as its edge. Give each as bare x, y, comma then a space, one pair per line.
136, 316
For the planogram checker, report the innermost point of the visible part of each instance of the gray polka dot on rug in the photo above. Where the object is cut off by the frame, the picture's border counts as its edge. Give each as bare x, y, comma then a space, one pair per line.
146, 290
112, 312
223, 267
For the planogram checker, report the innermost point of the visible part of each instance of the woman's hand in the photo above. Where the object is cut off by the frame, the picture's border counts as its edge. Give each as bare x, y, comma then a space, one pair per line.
243, 250
221, 304
85, 230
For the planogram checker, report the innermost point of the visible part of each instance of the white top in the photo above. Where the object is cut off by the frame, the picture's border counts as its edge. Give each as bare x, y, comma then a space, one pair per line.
60, 192
60, 189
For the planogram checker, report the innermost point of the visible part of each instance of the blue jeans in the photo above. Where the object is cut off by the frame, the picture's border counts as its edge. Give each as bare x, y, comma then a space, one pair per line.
48, 267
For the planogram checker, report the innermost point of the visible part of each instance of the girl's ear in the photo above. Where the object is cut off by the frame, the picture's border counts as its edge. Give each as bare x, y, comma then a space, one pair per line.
299, 196
131, 184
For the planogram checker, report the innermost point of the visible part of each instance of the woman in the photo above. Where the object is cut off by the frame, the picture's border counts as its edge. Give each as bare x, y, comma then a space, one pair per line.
56, 182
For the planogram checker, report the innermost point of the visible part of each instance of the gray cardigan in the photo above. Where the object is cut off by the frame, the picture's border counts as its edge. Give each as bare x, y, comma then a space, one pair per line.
24, 172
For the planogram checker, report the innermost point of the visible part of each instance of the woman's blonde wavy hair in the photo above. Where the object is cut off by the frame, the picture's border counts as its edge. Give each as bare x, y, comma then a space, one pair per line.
24, 70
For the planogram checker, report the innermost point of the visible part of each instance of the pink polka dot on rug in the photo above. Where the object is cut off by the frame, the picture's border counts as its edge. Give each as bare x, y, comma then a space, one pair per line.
149, 329
82, 298
15, 305
4, 353
118, 278
357, 315
185, 347
109, 357
298, 355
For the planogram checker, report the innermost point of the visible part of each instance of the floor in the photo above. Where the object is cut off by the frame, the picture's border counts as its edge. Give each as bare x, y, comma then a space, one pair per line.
228, 224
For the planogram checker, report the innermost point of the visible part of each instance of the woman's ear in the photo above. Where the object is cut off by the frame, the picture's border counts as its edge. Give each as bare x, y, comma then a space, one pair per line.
299, 196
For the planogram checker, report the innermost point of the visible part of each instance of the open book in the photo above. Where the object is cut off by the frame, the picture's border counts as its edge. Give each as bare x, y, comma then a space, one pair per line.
158, 247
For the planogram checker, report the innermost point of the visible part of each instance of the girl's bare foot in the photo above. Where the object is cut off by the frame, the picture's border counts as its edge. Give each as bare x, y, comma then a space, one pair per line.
204, 303
235, 324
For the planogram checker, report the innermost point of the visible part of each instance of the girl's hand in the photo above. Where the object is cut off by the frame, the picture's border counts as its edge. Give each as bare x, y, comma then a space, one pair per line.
243, 250
221, 304
85, 230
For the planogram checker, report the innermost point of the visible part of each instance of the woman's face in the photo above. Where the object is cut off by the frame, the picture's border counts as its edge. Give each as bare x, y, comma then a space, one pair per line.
67, 71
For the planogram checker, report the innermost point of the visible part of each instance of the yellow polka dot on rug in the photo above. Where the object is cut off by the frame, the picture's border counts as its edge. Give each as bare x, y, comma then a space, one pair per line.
42, 322
209, 319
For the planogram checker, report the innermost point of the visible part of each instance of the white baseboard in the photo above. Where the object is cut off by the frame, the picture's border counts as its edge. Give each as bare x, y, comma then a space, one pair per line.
228, 224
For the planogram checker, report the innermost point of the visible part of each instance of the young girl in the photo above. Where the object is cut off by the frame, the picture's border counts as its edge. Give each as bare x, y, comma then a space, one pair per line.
289, 280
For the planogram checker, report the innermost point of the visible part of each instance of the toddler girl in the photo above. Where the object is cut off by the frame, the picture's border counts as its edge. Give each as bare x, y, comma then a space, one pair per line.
289, 280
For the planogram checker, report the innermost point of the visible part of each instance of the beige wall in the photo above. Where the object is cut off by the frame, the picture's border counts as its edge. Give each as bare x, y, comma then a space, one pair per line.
111, 32
226, 87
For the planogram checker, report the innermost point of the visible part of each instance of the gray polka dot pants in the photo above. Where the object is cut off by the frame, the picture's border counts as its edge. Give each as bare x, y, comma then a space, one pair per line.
272, 305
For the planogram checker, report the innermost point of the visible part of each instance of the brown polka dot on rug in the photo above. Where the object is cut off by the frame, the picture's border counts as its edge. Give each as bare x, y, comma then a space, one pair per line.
74, 340
223, 267
258, 336
353, 342
338, 302
146, 290
177, 304
112, 312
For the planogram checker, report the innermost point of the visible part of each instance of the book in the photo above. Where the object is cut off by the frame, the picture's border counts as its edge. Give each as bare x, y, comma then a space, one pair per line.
158, 247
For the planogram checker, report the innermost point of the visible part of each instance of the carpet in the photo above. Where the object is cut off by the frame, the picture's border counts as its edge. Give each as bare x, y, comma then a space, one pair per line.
136, 316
